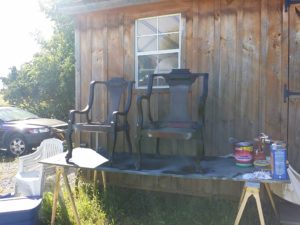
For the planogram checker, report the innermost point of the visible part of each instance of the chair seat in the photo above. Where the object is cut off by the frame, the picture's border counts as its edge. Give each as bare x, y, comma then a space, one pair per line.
171, 132
29, 183
93, 127
97, 127
28, 175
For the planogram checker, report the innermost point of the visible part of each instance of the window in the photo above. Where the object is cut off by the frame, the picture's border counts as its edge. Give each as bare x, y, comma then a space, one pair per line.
157, 47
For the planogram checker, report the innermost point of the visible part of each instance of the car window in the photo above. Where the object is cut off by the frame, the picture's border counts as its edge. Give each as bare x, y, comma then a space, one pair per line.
14, 114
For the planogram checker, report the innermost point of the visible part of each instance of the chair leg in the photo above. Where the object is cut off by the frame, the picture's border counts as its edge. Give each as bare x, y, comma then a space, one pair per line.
128, 140
69, 142
139, 155
200, 152
114, 137
157, 140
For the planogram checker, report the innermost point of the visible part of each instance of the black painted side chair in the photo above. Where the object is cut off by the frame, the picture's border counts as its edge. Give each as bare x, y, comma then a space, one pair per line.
178, 124
116, 120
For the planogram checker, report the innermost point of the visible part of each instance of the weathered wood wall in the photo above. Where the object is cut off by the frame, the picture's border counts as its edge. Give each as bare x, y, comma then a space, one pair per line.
294, 85
242, 44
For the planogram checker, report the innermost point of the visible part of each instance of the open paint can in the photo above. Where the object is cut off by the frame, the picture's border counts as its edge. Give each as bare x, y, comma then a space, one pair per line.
243, 154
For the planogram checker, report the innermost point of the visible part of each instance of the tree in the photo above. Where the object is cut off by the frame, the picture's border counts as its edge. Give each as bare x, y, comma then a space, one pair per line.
46, 84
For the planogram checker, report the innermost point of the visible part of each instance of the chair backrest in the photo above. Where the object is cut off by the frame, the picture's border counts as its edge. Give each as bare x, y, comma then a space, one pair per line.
30, 162
51, 147
48, 148
180, 82
116, 88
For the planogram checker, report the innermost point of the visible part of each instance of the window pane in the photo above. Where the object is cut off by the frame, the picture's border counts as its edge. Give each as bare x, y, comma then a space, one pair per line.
168, 24
159, 81
146, 66
147, 26
168, 41
167, 62
160, 37
145, 44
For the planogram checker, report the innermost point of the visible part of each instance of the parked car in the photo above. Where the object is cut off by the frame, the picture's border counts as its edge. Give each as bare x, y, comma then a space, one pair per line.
21, 130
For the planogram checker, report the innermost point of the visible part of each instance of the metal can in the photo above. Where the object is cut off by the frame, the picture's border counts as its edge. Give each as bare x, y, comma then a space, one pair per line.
243, 154
278, 160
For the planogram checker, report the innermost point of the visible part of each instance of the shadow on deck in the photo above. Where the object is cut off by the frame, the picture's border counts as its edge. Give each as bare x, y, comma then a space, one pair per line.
220, 168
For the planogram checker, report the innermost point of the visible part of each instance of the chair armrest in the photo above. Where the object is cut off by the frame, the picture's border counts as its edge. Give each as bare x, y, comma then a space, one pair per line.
129, 96
146, 97
118, 113
140, 113
73, 112
30, 160
115, 116
124, 113
88, 107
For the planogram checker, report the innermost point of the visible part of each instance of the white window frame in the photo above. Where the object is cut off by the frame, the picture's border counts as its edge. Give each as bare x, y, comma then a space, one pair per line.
157, 52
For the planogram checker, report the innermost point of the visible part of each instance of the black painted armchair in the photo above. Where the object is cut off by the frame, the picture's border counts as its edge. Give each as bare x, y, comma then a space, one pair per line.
116, 120
178, 124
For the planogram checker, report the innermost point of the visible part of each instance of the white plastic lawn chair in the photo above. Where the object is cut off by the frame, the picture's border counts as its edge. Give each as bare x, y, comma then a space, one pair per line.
30, 175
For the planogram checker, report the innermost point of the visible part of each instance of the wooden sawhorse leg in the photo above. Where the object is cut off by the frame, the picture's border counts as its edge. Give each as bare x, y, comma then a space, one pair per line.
268, 189
103, 180
55, 195
250, 188
60, 171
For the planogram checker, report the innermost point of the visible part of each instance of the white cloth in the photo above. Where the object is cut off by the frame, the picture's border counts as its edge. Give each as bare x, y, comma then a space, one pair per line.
257, 175
289, 191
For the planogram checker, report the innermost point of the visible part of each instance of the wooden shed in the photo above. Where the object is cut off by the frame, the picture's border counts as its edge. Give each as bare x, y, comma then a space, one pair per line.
250, 48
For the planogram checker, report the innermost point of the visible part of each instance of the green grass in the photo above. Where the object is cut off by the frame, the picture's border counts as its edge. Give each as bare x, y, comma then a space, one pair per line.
121, 206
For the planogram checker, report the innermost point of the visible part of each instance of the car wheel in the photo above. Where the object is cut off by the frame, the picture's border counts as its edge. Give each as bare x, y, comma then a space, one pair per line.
16, 145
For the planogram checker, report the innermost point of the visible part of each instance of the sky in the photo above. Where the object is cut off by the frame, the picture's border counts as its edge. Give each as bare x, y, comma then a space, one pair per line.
19, 20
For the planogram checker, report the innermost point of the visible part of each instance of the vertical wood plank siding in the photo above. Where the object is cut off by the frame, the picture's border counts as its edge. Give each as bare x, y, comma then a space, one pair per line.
243, 46
294, 84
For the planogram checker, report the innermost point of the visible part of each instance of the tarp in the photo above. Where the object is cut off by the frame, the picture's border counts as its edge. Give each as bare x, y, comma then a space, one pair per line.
289, 191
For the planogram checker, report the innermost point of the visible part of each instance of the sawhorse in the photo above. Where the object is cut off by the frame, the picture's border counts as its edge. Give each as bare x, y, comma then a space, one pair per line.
60, 171
253, 189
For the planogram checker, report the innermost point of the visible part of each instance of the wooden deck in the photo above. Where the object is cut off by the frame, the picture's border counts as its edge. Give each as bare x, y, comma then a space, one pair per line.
216, 168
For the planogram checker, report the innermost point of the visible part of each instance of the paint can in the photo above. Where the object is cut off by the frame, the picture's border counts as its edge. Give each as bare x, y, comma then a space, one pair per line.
243, 154
261, 164
278, 160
